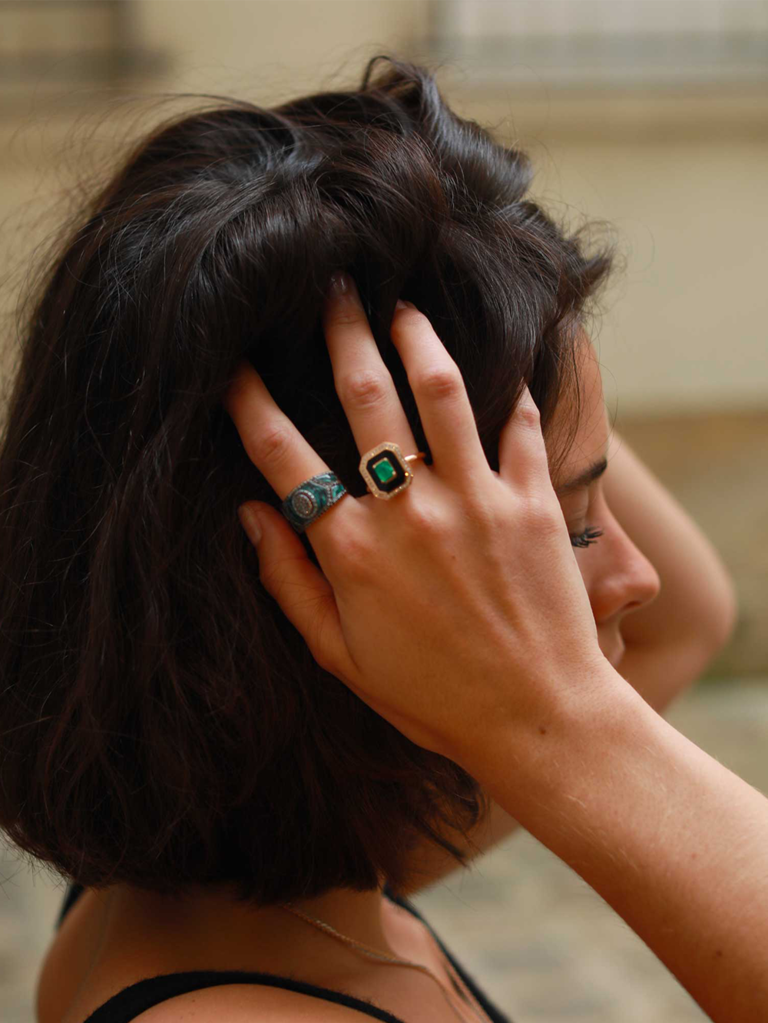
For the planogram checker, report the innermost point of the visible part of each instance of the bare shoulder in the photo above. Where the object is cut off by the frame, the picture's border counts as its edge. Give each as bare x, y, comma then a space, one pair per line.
247, 1003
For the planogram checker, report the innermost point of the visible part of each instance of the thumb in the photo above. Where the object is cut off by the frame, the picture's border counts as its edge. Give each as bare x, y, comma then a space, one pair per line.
305, 596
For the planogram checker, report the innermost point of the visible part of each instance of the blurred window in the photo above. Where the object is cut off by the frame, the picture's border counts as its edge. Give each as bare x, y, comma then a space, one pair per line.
603, 43
49, 42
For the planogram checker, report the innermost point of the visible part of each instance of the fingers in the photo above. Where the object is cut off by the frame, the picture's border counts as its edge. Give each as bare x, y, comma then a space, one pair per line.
304, 594
272, 442
441, 396
363, 383
522, 452
369, 397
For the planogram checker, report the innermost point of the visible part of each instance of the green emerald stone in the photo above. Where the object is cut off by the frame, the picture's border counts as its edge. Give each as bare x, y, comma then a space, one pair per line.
384, 470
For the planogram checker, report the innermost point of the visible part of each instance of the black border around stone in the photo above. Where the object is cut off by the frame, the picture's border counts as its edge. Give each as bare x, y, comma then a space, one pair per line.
397, 480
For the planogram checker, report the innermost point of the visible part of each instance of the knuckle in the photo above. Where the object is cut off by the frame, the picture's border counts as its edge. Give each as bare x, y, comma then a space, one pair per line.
353, 553
272, 446
427, 519
343, 314
542, 514
439, 382
363, 389
485, 515
269, 578
533, 514
529, 415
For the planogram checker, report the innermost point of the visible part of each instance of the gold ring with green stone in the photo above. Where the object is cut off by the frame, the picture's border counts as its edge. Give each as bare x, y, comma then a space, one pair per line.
386, 471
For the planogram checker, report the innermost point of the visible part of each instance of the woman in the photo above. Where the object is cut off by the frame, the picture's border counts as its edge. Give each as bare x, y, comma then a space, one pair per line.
188, 747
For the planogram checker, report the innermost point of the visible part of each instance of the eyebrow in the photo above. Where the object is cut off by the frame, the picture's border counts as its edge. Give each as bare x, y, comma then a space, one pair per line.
584, 479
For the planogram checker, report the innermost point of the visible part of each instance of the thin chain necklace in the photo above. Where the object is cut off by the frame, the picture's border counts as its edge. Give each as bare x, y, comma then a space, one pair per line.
383, 956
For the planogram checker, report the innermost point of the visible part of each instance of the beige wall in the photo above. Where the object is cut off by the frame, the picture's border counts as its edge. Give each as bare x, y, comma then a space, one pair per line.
684, 181
274, 48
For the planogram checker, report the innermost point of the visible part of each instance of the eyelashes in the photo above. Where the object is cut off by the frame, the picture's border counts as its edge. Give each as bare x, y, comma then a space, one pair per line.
585, 539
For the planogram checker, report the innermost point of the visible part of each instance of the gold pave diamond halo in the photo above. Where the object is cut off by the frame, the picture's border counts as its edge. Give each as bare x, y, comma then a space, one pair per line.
386, 471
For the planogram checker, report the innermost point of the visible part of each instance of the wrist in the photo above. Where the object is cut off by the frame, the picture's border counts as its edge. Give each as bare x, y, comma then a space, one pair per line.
525, 764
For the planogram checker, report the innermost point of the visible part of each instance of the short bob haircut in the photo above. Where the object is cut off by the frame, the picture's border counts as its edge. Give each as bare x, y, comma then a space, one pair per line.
162, 722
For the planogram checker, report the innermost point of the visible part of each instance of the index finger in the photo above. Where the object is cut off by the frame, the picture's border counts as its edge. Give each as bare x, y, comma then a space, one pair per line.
272, 442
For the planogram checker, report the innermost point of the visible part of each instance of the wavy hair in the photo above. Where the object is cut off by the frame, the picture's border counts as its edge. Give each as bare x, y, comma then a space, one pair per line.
163, 723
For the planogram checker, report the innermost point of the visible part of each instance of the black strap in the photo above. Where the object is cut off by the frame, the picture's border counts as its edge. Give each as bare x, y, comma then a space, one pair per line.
129, 1003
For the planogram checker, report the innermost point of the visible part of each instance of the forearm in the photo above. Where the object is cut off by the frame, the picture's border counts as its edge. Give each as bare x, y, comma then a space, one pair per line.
668, 643
697, 597
672, 840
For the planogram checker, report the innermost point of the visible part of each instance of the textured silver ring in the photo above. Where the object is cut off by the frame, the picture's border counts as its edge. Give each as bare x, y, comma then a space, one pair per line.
311, 499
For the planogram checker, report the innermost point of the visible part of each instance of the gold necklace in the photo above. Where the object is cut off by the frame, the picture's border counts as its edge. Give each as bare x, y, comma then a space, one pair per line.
383, 956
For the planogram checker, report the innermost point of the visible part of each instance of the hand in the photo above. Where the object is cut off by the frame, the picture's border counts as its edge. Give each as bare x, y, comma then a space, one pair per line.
454, 608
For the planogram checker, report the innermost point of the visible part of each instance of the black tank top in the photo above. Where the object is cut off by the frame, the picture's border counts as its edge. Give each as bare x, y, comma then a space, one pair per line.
129, 1003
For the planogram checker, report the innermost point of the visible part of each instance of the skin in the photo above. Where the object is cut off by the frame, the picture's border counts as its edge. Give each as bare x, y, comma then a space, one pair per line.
127, 934
618, 577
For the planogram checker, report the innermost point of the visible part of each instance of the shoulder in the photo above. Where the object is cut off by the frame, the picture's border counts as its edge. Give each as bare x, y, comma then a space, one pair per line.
247, 1003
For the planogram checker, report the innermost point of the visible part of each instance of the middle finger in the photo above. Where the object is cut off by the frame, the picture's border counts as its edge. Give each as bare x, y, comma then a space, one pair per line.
363, 383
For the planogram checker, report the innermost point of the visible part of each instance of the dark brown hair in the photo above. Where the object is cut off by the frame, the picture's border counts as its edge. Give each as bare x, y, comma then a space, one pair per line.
163, 724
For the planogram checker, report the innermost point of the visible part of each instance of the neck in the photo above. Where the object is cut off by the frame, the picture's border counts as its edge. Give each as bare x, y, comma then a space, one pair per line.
356, 915
209, 929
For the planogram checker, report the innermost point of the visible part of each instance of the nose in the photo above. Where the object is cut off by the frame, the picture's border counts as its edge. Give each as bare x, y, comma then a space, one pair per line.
627, 581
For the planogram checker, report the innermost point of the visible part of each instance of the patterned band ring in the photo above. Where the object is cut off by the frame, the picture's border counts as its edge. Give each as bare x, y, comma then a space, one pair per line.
312, 498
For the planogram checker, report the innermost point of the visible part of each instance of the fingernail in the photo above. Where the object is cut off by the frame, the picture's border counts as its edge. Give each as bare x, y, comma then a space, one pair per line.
250, 523
340, 283
400, 304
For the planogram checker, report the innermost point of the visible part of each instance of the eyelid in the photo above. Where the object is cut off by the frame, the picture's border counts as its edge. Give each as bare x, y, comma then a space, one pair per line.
577, 509
577, 500
569, 488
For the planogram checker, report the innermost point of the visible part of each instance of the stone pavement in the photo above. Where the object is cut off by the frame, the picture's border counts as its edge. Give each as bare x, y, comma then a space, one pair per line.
545, 946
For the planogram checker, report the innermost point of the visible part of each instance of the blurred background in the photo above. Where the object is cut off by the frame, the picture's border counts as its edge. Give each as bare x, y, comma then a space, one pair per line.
650, 115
